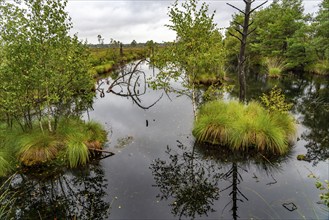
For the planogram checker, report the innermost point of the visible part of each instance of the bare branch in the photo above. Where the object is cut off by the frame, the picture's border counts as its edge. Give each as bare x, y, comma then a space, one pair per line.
242, 194
236, 8
258, 7
252, 31
250, 23
235, 22
100, 150
238, 31
235, 36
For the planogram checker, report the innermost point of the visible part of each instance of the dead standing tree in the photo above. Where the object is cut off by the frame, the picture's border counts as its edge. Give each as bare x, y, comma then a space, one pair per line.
243, 40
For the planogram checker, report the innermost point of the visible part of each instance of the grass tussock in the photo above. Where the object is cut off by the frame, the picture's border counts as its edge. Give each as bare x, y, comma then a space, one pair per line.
38, 148
104, 68
80, 137
8, 149
241, 127
275, 67
70, 144
5, 166
95, 132
77, 152
321, 68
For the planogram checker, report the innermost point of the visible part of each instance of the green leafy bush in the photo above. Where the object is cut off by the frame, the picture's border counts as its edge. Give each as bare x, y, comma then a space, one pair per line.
275, 101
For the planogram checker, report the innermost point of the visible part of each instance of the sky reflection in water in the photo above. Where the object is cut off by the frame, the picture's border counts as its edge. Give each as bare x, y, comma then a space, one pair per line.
158, 172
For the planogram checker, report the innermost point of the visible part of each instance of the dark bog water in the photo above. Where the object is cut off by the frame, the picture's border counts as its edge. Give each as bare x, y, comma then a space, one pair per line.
157, 172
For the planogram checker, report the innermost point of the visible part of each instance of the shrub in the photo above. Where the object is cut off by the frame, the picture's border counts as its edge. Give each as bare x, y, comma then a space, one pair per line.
241, 127
275, 101
324, 187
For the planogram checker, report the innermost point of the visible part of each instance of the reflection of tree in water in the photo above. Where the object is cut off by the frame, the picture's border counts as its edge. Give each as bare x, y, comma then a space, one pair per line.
314, 106
192, 178
73, 195
237, 162
191, 182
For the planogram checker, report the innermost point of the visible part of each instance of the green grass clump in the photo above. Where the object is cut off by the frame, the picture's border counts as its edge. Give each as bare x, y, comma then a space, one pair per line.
77, 152
37, 148
68, 145
104, 68
321, 67
275, 67
241, 127
79, 136
95, 132
274, 72
9, 146
207, 79
5, 166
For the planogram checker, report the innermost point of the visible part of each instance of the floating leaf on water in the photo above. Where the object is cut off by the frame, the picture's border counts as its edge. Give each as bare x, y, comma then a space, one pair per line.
318, 184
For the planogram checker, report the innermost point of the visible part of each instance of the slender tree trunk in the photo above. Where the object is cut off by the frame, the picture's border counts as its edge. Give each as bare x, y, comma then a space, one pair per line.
41, 127
121, 49
243, 40
48, 110
242, 56
194, 102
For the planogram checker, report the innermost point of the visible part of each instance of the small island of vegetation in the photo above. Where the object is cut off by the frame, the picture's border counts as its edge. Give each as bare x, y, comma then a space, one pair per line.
243, 127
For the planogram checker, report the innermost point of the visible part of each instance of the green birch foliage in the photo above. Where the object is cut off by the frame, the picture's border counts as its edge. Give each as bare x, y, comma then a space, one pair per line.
43, 70
198, 48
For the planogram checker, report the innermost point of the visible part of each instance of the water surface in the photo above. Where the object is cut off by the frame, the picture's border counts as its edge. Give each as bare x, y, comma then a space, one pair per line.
158, 172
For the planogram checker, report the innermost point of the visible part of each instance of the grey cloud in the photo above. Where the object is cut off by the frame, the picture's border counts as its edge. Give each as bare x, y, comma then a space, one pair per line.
121, 20
141, 20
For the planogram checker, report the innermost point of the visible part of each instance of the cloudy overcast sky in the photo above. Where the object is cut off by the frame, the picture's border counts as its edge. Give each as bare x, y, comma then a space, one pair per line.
141, 20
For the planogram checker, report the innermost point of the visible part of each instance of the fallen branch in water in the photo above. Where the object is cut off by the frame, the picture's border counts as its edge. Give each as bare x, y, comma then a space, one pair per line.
103, 151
